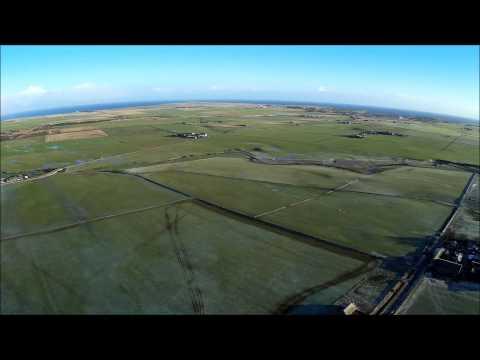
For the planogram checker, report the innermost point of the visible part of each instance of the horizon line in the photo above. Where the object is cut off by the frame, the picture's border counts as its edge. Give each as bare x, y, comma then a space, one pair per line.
30, 113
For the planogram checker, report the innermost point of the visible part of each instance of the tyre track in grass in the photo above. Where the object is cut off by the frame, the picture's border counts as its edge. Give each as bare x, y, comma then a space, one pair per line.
248, 219
183, 259
47, 279
133, 250
369, 260
462, 134
88, 221
49, 276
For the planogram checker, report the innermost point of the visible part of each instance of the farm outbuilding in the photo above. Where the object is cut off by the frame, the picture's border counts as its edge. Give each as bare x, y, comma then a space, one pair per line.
352, 309
192, 135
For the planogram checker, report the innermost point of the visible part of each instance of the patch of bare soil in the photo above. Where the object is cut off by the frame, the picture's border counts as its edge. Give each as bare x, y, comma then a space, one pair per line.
81, 134
70, 130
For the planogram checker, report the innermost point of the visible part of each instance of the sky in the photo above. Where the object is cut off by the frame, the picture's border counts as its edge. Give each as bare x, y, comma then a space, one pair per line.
438, 79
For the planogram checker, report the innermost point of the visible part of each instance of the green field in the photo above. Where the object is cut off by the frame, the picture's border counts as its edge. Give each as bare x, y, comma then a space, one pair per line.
271, 129
185, 254
433, 297
99, 238
64, 199
360, 215
242, 169
430, 184
386, 226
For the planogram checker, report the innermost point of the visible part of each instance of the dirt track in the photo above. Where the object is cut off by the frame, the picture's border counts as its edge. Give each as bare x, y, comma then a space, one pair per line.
305, 200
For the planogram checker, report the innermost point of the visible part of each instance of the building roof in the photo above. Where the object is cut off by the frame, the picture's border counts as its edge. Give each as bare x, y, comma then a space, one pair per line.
351, 309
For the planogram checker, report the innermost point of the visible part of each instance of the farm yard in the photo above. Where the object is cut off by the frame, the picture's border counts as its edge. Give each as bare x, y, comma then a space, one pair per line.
146, 222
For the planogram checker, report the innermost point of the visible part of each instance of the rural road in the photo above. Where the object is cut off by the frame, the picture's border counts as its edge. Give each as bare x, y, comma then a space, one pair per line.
407, 285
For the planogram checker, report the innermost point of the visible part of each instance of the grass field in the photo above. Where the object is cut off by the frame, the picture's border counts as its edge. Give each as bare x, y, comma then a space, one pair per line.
249, 197
64, 199
387, 226
467, 223
424, 183
360, 215
433, 184
242, 169
324, 138
186, 255
91, 241
434, 297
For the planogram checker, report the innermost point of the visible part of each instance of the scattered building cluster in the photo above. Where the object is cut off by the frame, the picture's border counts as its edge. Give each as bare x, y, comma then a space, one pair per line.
32, 174
192, 135
14, 178
458, 259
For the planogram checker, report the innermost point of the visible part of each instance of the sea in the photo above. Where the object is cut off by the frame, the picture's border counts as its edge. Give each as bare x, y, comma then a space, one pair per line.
373, 110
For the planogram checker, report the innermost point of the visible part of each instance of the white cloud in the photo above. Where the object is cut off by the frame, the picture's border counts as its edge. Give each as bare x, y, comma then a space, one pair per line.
85, 86
33, 90
321, 89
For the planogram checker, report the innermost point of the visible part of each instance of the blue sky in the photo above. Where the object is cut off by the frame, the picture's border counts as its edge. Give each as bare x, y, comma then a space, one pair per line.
441, 79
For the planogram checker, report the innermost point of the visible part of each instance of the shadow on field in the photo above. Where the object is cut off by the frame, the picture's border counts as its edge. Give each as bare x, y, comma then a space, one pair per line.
380, 281
463, 286
402, 263
295, 300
